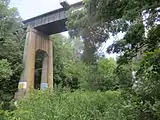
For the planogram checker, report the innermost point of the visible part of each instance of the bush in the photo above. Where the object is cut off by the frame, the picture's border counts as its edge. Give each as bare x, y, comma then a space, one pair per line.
79, 105
2, 115
5, 71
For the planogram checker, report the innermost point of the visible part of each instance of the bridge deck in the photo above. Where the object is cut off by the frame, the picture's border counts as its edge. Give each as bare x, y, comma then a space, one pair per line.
51, 22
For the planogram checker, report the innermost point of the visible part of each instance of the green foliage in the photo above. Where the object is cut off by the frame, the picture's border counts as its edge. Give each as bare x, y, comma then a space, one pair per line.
11, 49
5, 71
147, 87
69, 70
93, 35
72, 106
77, 64
2, 115
124, 74
102, 76
107, 66
140, 44
77, 20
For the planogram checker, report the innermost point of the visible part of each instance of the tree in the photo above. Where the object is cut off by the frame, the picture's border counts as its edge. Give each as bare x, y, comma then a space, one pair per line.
102, 76
69, 70
93, 35
138, 19
11, 49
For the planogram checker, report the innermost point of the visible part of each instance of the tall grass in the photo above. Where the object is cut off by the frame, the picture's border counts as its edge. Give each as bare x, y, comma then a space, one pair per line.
79, 105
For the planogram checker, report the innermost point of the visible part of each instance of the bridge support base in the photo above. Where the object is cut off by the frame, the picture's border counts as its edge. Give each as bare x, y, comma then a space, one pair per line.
36, 41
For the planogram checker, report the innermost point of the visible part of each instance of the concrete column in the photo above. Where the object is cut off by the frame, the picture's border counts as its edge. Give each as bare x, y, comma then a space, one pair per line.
50, 65
30, 59
44, 76
27, 77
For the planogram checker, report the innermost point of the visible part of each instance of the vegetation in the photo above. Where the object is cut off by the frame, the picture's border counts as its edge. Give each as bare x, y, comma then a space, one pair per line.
11, 50
71, 106
89, 86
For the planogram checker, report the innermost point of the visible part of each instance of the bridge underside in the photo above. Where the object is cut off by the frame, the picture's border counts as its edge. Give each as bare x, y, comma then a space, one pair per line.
52, 22
53, 28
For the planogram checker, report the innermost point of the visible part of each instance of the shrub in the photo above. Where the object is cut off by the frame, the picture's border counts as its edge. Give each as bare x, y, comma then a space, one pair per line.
79, 105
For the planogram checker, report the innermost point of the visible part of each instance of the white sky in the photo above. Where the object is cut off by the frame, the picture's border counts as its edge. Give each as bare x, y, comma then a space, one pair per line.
31, 8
